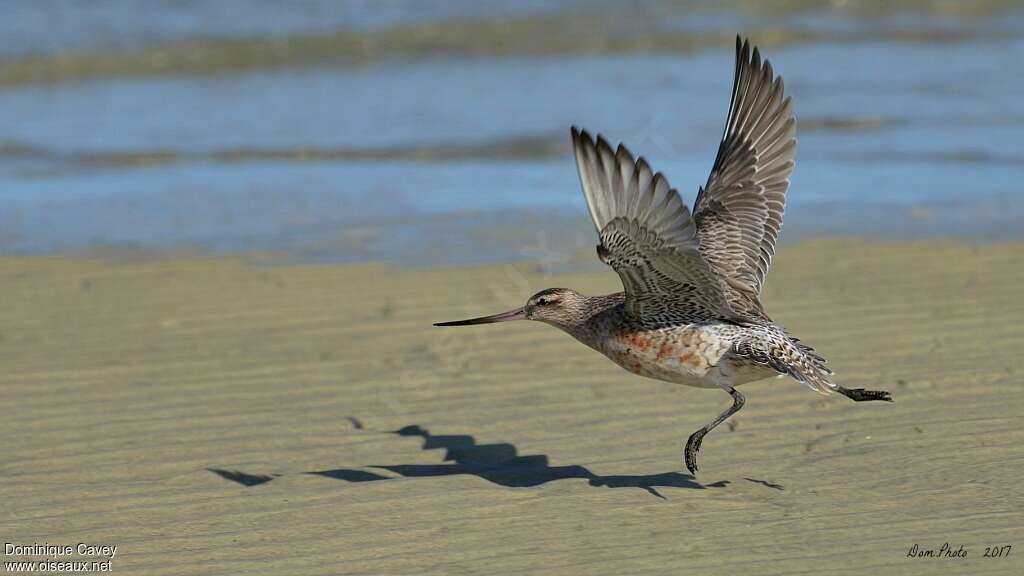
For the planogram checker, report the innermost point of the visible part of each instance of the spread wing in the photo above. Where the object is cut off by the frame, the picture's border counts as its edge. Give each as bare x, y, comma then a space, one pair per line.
647, 235
738, 214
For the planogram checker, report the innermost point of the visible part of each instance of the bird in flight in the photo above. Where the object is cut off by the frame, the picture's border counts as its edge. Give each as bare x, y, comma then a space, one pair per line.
690, 312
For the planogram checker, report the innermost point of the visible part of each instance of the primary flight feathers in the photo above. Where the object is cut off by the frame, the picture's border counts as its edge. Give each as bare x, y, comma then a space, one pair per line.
718, 256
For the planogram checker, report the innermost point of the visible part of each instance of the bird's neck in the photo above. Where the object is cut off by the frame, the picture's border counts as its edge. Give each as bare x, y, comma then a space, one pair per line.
598, 315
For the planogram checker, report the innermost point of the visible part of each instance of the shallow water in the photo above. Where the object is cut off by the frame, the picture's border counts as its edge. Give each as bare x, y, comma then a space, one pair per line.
354, 131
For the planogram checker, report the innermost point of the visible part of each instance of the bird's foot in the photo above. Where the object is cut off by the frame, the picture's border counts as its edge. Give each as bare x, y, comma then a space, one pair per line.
692, 447
862, 395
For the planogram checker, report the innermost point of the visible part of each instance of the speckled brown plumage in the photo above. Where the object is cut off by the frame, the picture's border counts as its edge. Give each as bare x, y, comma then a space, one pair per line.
691, 312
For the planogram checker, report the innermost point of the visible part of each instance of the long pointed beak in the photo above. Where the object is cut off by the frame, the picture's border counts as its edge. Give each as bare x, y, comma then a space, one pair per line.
517, 314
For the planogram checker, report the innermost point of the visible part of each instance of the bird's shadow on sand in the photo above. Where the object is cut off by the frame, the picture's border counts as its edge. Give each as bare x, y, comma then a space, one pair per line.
498, 463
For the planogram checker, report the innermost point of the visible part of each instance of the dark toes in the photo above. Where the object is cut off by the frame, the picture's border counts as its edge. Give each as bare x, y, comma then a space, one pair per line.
690, 460
690, 454
862, 395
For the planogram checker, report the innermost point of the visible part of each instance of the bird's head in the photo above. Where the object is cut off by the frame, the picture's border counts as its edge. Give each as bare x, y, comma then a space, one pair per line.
559, 307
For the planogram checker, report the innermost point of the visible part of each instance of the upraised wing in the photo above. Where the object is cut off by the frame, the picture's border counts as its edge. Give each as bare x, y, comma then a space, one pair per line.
647, 235
738, 214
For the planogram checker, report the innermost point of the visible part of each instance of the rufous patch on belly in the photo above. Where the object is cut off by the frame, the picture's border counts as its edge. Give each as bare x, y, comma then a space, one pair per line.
638, 341
664, 351
693, 360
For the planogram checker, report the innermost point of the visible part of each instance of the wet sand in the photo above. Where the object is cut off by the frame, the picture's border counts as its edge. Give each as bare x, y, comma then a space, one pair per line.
213, 415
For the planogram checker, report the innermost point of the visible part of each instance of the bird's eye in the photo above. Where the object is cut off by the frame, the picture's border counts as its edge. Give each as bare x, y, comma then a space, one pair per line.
542, 301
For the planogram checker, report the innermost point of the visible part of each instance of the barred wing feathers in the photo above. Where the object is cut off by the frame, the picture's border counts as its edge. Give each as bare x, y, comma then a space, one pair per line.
647, 235
738, 214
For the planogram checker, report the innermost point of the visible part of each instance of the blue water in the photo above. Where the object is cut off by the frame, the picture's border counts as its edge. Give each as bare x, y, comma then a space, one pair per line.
898, 137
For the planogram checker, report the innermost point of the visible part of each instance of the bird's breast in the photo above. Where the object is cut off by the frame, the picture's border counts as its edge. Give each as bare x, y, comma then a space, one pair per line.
685, 355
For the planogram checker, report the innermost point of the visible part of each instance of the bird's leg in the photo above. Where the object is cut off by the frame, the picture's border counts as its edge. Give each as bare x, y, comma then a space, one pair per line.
862, 395
693, 443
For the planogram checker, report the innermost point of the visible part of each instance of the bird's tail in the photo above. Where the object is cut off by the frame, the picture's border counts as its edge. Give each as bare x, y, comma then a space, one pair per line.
807, 366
